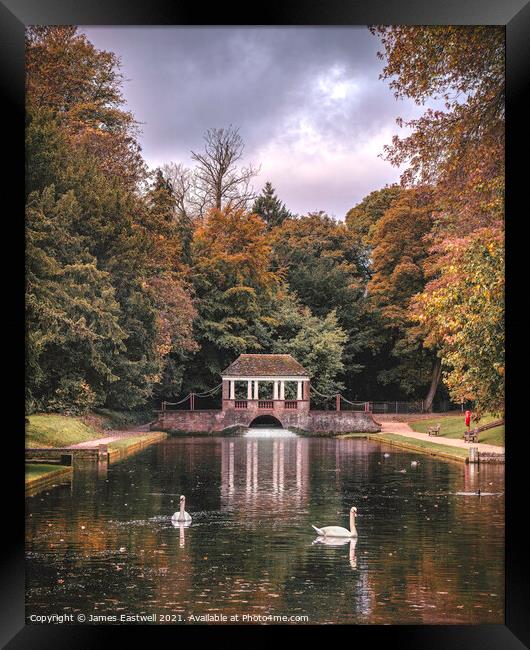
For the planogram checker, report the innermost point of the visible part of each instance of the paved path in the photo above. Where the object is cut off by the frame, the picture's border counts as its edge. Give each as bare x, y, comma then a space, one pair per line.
403, 429
114, 435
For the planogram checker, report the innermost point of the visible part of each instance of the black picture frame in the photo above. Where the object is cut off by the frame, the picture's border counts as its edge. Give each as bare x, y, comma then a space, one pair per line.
515, 15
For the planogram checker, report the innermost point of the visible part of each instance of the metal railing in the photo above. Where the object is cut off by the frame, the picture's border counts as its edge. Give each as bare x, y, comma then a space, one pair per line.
396, 407
209, 400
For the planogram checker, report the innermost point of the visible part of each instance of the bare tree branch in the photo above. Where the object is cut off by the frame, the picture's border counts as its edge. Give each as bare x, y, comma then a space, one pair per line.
181, 179
218, 179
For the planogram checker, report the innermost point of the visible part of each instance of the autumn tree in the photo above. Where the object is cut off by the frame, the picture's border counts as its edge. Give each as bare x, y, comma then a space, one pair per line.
459, 152
399, 252
363, 217
166, 278
80, 144
232, 278
471, 339
81, 86
269, 207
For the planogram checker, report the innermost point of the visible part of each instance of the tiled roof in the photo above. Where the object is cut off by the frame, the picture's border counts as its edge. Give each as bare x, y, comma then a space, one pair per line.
265, 365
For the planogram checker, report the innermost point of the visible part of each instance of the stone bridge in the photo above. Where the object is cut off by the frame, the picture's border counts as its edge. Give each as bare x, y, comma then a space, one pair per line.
213, 421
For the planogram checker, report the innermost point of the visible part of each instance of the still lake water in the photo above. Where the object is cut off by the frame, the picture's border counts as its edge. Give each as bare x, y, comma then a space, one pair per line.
105, 544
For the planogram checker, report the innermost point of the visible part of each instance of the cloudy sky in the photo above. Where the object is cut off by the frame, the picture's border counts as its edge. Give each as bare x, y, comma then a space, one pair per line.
308, 102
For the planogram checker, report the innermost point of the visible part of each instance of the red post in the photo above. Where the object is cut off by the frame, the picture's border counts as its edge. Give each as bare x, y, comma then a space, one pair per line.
337, 402
468, 418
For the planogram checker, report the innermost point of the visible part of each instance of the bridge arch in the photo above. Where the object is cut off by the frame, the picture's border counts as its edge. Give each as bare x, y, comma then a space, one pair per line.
266, 421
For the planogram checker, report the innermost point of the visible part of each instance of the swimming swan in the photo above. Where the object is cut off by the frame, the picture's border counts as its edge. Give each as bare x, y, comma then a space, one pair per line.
339, 531
181, 516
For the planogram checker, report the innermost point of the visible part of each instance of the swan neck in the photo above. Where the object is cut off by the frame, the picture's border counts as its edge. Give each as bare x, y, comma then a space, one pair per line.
353, 530
182, 503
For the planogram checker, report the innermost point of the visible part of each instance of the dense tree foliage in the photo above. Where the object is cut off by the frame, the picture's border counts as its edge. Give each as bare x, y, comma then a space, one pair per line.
232, 279
363, 217
459, 150
81, 86
399, 252
463, 313
142, 286
74, 334
326, 267
317, 343
94, 281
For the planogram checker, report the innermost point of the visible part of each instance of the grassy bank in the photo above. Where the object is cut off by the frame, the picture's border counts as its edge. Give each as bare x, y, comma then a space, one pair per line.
423, 446
54, 430
352, 435
454, 426
124, 447
125, 443
50, 430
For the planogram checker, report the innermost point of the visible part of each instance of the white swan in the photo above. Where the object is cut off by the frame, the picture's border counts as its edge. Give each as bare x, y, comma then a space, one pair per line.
339, 531
182, 516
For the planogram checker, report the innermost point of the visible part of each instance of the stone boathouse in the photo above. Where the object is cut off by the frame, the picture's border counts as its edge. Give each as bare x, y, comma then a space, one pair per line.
269, 389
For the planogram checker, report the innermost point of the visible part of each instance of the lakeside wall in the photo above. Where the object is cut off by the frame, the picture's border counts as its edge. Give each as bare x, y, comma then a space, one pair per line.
216, 421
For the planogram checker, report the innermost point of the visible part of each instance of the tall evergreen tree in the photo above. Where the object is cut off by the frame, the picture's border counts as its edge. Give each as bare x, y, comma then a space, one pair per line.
74, 336
269, 207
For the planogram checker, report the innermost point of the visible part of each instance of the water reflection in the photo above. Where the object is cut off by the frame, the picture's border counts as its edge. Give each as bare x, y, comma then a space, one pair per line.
424, 554
269, 470
181, 526
341, 541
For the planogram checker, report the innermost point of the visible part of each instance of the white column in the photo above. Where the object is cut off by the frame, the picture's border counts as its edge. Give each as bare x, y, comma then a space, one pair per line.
249, 389
256, 389
282, 390
298, 390
276, 391
232, 391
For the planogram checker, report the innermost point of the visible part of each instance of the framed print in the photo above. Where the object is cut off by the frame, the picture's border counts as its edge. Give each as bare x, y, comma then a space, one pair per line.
265, 307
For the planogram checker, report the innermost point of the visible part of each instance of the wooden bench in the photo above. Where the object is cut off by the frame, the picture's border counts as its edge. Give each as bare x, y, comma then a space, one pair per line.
471, 436
435, 430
